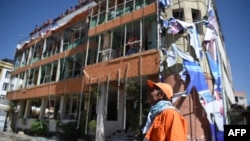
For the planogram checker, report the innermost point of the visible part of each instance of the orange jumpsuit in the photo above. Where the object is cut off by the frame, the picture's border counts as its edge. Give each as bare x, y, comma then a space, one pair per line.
169, 125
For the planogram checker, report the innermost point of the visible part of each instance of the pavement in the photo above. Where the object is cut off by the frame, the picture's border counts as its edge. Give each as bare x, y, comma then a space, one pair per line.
12, 136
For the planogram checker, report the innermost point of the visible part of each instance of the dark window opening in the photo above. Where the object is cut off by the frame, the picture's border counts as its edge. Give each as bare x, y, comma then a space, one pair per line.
112, 113
7, 75
236, 99
196, 16
179, 14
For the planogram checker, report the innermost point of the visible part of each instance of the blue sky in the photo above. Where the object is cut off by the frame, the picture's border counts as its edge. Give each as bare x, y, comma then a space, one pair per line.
19, 18
234, 20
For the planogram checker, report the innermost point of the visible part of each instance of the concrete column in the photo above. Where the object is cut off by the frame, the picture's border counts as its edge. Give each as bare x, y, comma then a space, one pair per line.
21, 109
25, 79
58, 70
100, 132
43, 107
27, 108
44, 46
62, 107
39, 75
61, 44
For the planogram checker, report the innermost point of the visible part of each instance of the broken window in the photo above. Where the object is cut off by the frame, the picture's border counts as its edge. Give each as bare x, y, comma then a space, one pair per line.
52, 110
31, 78
13, 82
46, 71
35, 108
74, 35
20, 80
37, 52
18, 58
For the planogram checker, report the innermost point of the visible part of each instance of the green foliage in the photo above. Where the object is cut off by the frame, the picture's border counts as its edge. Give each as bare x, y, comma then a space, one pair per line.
70, 131
11, 114
92, 126
133, 114
39, 128
94, 93
11, 109
11, 105
131, 87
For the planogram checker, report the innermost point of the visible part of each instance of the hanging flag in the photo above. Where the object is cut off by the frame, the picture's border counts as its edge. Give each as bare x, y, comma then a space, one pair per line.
197, 79
211, 22
169, 58
165, 23
214, 67
173, 26
164, 3
181, 53
209, 41
194, 37
212, 106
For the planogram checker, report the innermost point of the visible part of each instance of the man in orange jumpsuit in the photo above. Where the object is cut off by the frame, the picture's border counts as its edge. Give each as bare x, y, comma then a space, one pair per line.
164, 122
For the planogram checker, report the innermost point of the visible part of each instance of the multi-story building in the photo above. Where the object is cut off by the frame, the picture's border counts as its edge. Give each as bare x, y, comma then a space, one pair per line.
239, 113
92, 63
6, 66
241, 99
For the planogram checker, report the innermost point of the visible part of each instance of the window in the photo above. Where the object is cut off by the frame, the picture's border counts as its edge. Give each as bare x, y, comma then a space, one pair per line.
52, 110
241, 98
31, 77
196, 17
26, 57
35, 109
7, 75
37, 52
178, 14
18, 60
45, 73
112, 106
71, 107
5, 86
74, 35
236, 99
12, 87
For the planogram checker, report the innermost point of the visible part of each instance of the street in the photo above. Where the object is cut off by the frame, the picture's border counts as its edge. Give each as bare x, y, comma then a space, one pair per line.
11, 136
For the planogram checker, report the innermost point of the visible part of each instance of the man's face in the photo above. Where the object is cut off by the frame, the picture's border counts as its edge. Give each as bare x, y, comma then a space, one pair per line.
154, 96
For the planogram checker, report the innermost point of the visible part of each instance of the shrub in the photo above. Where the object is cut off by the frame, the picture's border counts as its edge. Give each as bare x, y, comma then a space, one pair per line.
39, 128
70, 131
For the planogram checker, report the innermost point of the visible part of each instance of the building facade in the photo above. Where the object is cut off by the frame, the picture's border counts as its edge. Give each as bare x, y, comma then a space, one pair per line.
92, 63
6, 66
241, 99
239, 112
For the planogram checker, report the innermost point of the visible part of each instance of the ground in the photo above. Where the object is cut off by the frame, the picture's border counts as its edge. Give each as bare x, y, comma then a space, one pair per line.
11, 136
